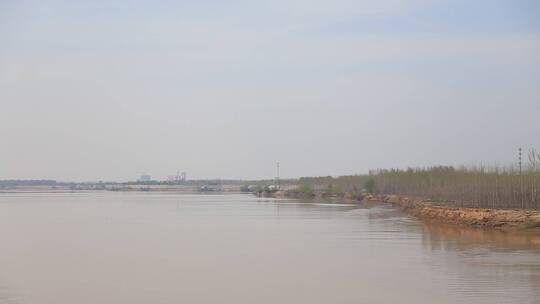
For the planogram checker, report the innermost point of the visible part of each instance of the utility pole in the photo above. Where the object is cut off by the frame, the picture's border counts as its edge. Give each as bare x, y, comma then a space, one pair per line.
277, 179
521, 179
519, 157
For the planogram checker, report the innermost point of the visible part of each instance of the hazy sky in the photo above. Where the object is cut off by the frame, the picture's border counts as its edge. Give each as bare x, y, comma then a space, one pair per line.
107, 90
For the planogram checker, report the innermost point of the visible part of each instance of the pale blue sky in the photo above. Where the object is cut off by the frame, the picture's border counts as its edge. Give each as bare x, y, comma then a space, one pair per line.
106, 90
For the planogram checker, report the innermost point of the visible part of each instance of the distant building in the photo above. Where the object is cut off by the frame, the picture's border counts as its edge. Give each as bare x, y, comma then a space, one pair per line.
210, 188
179, 178
145, 178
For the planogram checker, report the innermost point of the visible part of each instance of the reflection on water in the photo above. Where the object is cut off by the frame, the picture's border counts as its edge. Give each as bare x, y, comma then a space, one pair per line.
496, 261
168, 248
459, 238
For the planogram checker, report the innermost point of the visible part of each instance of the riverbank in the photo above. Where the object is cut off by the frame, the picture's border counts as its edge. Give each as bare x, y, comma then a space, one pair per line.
503, 219
500, 219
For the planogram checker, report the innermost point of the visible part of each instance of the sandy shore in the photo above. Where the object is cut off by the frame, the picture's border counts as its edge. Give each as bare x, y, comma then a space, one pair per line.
504, 219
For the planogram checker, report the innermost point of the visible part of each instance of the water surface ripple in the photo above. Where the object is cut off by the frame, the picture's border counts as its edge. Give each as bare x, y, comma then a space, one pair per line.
107, 247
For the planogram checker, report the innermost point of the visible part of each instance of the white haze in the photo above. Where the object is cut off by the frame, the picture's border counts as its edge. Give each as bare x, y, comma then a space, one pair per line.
108, 90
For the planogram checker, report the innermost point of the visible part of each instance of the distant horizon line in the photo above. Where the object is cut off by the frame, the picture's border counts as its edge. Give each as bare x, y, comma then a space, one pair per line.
510, 167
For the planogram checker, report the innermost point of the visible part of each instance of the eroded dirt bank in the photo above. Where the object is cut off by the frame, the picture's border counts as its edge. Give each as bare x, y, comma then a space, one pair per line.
480, 217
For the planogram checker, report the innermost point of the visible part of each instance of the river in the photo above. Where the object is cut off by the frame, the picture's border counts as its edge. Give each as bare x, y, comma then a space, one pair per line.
110, 247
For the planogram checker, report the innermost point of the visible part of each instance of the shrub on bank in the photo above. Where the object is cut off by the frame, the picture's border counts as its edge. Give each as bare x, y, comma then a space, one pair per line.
303, 191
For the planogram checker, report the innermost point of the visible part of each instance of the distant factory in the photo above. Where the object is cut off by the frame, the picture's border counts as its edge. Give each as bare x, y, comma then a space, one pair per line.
144, 178
178, 179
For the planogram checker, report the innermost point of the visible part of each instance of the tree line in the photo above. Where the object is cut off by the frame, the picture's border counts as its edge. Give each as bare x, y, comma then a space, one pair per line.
466, 187
514, 186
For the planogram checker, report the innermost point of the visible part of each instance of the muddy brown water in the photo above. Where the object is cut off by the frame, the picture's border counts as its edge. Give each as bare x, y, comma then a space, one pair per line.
106, 247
